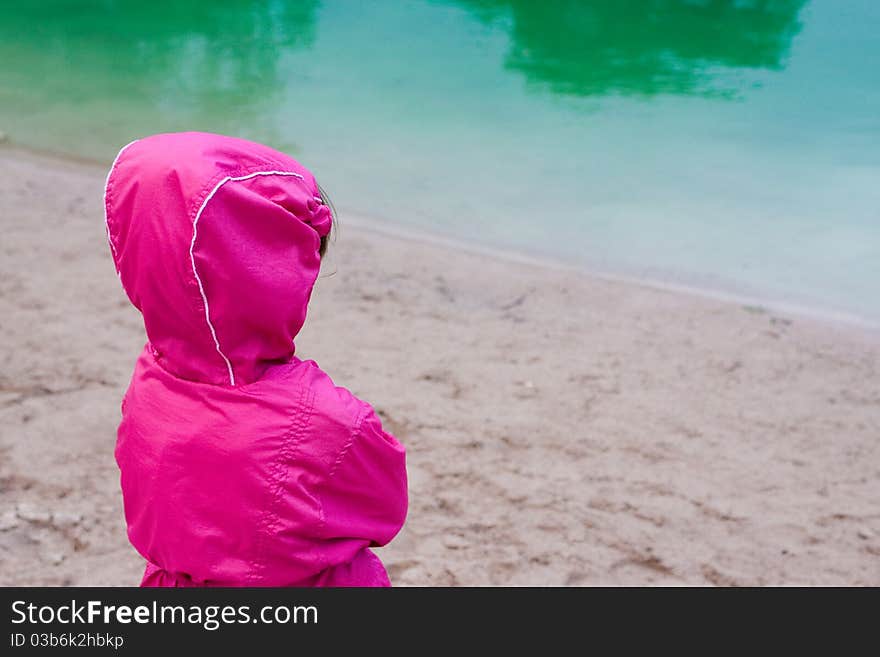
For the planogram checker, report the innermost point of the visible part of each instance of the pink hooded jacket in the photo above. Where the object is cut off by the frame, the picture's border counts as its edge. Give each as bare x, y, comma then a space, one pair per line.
241, 464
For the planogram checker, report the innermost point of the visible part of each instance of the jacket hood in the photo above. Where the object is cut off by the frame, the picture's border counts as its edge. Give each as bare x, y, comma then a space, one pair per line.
215, 240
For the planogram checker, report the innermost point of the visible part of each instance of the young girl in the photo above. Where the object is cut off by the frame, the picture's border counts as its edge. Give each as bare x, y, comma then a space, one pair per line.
242, 465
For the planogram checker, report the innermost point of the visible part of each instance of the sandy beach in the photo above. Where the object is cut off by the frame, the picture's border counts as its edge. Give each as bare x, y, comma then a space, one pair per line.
561, 429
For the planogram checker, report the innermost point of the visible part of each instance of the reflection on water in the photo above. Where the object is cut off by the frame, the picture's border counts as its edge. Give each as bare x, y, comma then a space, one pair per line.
641, 47
184, 60
219, 62
226, 56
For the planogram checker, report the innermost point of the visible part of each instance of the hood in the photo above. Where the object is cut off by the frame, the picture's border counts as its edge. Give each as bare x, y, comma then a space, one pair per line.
215, 240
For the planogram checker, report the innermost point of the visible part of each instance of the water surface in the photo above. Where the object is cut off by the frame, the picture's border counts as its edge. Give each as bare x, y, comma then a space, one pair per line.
730, 145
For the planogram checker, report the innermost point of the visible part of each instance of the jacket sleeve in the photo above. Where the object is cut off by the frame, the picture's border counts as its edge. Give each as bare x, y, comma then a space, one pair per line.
366, 494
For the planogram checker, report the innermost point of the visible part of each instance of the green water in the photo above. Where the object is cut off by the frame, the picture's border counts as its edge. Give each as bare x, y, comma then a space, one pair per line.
727, 145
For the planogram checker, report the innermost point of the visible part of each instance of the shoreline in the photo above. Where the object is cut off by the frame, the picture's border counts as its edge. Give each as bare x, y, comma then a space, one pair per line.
394, 229
755, 304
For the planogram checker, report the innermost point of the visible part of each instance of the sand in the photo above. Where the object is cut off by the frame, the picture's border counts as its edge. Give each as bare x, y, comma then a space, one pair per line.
562, 429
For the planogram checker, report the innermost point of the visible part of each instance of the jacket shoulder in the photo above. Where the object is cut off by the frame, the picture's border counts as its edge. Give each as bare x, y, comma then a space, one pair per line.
335, 410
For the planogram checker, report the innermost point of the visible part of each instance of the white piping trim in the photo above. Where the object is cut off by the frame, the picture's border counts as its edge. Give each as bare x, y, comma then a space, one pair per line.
106, 212
193, 258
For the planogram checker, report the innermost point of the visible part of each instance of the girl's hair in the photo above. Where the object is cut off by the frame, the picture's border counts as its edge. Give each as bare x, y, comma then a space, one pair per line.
325, 240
